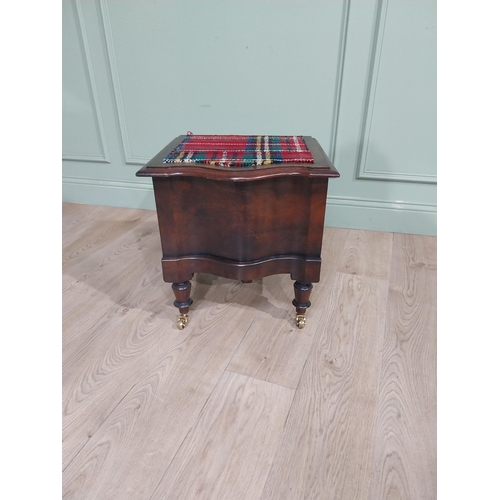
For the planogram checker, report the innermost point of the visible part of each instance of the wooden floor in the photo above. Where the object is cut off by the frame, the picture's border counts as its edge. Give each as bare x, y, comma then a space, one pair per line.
241, 404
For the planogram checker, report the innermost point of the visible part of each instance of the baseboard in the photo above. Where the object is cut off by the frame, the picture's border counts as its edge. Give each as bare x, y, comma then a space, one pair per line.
376, 215
345, 212
111, 193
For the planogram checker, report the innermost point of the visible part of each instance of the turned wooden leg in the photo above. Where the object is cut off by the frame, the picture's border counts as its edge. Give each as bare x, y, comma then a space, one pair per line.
182, 302
301, 301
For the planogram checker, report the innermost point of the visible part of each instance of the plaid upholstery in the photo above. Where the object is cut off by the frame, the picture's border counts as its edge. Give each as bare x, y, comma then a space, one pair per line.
240, 150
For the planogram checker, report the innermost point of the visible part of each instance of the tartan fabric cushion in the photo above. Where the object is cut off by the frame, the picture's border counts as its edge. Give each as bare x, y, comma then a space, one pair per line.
240, 150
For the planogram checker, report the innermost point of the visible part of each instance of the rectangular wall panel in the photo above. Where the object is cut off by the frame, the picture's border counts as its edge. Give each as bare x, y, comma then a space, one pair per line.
221, 67
358, 76
399, 127
82, 138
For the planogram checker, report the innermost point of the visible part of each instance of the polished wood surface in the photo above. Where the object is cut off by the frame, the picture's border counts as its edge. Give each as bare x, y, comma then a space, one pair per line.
241, 223
236, 230
242, 404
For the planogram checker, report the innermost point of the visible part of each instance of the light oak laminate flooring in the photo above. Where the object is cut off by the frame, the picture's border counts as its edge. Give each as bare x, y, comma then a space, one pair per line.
241, 404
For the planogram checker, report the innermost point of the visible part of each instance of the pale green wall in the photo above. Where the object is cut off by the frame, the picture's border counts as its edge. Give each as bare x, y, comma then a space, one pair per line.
360, 76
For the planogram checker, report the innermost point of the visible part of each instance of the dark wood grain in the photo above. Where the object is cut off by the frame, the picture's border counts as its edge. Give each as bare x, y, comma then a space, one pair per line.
230, 229
210, 221
182, 292
302, 294
179, 269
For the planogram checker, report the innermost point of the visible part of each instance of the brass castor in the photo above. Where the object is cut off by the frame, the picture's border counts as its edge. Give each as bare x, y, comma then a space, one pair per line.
300, 320
182, 321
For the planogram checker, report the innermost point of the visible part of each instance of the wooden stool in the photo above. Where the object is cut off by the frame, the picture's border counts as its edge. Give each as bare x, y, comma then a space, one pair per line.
231, 215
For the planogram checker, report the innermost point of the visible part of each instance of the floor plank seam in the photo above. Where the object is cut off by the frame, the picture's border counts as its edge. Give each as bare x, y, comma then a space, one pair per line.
180, 447
261, 380
239, 344
282, 431
186, 436
361, 275
102, 423
359, 424
373, 435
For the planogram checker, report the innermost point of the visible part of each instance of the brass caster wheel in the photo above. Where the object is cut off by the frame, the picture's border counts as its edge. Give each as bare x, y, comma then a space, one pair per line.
300, 320
182, 321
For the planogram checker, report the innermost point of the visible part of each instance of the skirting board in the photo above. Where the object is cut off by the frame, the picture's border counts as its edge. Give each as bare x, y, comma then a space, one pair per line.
345, 212
111, 193
375, 215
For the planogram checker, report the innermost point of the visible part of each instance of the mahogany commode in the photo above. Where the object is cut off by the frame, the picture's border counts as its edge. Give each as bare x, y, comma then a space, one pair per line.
241, 222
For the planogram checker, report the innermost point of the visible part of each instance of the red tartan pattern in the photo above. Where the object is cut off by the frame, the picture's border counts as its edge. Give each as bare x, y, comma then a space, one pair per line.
240, 150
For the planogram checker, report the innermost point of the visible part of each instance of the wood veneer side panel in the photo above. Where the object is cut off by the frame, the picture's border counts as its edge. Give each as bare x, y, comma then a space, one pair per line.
299, 268
241, 222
